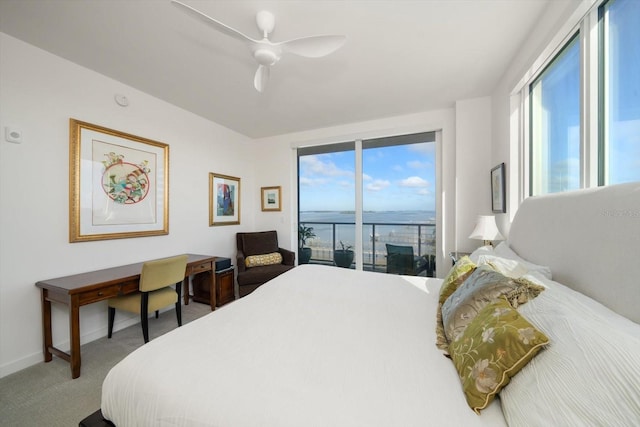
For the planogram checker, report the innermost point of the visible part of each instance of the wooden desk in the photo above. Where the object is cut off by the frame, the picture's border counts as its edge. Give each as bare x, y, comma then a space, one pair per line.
86, 288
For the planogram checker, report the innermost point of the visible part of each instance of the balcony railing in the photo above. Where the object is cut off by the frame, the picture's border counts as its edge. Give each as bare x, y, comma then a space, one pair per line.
375, 237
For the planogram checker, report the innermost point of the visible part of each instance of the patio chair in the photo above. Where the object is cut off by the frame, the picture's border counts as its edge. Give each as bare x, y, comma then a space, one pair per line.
401, 260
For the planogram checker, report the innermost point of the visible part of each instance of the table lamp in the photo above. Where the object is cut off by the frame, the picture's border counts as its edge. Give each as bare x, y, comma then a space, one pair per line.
486, 230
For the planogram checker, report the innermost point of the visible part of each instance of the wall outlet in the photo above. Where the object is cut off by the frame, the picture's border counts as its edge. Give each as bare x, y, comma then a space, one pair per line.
12, 135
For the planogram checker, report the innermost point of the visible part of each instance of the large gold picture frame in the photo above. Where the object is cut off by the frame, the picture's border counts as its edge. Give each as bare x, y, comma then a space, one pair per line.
118, 184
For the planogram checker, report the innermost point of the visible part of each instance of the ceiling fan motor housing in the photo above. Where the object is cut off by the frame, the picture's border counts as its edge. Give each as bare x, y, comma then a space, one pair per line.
266, 54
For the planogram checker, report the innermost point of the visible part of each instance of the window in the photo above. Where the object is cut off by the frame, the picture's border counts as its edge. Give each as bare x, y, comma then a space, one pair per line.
555, 124
368, 193
582, 126
620, 86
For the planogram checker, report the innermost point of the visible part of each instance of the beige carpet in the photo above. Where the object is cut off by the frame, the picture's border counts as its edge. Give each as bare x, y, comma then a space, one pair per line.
45, 394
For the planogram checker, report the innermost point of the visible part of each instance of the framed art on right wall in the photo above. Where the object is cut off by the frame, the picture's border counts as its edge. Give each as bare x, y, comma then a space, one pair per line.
498, 193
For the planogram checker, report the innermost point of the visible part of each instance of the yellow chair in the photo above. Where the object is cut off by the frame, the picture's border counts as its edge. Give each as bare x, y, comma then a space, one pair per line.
154, 293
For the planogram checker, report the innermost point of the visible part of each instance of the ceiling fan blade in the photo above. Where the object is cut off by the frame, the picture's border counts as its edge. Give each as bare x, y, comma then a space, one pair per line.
261, 78
313, 46
212, 22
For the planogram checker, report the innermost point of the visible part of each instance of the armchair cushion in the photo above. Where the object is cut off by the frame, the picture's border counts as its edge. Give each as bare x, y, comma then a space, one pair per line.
260, 275
259, 243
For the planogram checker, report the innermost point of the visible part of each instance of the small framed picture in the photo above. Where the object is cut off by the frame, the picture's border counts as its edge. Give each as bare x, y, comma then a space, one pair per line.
498, 194
224, 199
271, 199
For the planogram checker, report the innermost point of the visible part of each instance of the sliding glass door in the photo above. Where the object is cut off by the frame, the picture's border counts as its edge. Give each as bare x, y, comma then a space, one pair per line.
399, 203
326, 199
359, 196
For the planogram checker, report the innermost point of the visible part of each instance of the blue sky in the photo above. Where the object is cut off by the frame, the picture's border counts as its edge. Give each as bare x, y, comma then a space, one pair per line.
395, 178
559, 115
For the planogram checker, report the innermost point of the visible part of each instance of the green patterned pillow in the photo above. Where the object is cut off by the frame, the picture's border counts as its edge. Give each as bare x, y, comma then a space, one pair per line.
482, 287
494, 347
456, 277
266, 259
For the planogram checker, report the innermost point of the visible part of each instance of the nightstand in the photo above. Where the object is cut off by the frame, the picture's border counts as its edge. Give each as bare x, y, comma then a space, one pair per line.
224, 287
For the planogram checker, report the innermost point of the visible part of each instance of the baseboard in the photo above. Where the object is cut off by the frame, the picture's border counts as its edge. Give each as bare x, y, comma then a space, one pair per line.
37, 357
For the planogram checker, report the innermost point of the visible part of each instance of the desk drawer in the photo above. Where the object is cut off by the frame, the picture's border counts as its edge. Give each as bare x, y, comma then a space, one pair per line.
199, 268
108, 292
89, 297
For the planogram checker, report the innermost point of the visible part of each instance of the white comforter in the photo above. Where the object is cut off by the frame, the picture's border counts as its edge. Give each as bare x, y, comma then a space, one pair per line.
317, 346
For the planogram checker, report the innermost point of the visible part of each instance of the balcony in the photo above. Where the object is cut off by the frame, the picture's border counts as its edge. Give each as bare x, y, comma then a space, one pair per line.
421, 237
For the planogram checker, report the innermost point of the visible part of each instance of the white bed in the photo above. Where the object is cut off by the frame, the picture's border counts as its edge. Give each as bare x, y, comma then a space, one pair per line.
318, 346
324, 346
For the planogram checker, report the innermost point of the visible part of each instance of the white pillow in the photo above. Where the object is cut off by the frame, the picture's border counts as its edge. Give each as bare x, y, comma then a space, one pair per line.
589, 374
483, 250
507, 267
503, 250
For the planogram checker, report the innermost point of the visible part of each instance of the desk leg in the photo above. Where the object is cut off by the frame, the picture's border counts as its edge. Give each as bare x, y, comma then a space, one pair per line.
185, 288
47, 339
74, 335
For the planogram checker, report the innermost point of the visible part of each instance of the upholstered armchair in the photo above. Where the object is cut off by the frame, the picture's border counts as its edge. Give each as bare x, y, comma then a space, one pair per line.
260, 259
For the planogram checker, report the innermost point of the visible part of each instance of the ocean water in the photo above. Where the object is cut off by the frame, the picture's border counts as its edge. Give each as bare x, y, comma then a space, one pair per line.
377, 217
410, 228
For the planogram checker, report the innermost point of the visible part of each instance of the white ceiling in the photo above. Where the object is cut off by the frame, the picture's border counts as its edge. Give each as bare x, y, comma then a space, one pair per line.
400, 56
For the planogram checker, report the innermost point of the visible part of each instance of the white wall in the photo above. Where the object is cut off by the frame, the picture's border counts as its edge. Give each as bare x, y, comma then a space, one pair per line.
39, 92
473, 166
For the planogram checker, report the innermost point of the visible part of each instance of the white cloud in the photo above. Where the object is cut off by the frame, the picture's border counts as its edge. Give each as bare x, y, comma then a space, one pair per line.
312, 182
312, 165
377, 185
414, 181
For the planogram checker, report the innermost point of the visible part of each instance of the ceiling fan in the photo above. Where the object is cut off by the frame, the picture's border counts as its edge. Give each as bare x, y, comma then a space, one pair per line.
264, 51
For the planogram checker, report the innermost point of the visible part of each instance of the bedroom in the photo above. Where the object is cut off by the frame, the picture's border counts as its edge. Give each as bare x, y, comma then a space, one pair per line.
40, 92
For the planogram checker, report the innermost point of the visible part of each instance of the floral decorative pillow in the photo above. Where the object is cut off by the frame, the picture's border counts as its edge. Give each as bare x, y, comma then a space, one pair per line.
266, 259
456, 276
497, 344
483, 286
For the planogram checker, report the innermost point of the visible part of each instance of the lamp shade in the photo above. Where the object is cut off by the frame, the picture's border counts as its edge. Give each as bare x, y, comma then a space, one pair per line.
486, 229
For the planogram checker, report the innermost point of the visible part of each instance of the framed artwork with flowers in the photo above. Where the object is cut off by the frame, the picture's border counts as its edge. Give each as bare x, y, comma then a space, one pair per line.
118, 184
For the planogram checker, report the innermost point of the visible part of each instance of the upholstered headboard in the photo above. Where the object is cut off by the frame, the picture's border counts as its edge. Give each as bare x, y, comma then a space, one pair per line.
590, 239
